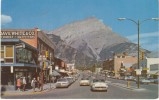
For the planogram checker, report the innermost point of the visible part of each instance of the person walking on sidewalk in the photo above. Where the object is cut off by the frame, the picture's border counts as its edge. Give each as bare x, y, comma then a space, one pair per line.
24, 83
18, 83
38, 82
33, 84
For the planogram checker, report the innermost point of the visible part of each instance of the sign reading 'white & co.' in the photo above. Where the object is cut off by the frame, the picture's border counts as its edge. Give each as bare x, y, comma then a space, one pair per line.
18, 34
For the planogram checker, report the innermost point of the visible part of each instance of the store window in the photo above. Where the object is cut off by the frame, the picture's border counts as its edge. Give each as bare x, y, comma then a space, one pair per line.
123, 56
154, 67
118, 56
24, 56
7, 54
9, 51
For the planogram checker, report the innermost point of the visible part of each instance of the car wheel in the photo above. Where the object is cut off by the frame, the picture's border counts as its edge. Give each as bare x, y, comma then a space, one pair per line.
92, 90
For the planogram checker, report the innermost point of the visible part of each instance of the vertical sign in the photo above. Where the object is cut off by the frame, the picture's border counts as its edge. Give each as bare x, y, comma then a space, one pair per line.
50, 70
11, 69
56, 68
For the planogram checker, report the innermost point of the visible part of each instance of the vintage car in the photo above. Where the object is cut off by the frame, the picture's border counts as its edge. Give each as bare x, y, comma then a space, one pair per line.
144, 81
62, 82
70, 79
99, 85
84, 81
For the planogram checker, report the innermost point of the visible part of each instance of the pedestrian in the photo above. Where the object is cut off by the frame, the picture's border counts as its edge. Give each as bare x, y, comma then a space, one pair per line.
24, 83
33, 84
38, 82
53, 79
18, 83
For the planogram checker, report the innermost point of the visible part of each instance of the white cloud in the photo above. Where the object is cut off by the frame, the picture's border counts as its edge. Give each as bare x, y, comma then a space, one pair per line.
143, 35
5, 19
148, 41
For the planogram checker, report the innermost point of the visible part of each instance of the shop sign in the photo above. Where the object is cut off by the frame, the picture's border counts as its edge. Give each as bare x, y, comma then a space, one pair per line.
50, 72
146, 68
18, 34
11, 69
56, 68
20, 45
41, 58
138, 71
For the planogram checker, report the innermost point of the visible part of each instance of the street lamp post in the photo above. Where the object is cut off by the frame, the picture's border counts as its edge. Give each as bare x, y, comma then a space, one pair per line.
138, 23
50, 69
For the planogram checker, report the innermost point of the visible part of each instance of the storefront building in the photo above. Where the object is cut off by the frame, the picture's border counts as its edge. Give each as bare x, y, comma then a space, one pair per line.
150, 66
118, 62
21, 50
17, 61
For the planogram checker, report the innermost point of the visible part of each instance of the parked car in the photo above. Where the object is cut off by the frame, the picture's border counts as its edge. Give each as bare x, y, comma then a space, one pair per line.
70, 79
156, 81
122, 78
99, 85
129, 78
62, 82
113, 77
144, 81
152, 80
84, 81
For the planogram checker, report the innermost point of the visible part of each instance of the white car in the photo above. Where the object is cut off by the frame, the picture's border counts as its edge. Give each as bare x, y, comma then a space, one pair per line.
63, 82
84, 81
70, 79
99, 85
145, 81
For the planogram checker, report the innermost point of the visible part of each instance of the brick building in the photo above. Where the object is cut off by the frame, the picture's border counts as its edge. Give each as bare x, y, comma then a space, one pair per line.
20, 50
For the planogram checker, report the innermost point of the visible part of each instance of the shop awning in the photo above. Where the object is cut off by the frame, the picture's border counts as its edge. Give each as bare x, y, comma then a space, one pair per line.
64, 74
55, 73
18, 41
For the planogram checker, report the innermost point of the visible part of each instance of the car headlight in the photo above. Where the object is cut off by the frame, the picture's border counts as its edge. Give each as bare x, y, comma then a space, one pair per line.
93, 85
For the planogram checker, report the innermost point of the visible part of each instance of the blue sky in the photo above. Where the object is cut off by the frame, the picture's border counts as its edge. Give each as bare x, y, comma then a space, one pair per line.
51, 14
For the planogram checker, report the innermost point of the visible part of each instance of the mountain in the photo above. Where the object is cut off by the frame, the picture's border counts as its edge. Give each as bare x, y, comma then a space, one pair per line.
68, 53
88, 41
153, 54
130, 48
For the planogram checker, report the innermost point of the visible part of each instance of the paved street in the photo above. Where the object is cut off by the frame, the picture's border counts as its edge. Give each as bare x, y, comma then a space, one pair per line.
83, 92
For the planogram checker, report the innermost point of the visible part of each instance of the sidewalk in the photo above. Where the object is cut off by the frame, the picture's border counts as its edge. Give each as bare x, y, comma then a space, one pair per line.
125, 86
46, 88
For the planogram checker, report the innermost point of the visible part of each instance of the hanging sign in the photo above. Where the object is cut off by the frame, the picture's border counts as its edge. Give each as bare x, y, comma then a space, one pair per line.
138, 71
11, 69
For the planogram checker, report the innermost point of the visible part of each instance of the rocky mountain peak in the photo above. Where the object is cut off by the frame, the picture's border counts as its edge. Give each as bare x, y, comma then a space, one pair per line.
90, 37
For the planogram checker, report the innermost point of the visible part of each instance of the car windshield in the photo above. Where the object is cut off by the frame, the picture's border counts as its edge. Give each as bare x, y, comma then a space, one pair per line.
69, 79
101, 80
98, 80
95, 80
84, 79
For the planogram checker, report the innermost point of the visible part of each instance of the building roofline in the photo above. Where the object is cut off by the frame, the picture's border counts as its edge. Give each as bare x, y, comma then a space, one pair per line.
18, 41
54, 46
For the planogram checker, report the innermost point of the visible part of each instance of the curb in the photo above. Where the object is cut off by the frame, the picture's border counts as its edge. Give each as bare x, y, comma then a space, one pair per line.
124, 86
26, 93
